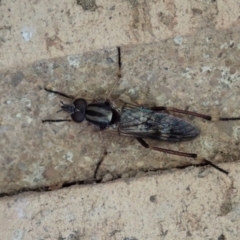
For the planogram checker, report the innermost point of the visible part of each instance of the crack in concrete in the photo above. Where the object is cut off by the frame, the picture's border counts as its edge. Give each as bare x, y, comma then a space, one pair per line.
99, 181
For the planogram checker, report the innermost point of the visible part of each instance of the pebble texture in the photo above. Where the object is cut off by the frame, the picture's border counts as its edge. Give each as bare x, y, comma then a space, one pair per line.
36, 30
198, 73
175, 53
34, 154
205, 206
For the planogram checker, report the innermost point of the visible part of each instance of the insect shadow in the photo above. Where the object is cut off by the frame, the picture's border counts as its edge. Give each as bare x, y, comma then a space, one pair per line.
155, 123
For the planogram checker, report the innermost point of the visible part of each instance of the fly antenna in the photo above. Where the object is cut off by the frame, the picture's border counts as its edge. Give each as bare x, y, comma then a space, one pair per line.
60, 109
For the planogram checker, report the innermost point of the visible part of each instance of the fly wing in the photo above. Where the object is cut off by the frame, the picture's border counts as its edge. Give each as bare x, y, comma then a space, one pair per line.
145, 123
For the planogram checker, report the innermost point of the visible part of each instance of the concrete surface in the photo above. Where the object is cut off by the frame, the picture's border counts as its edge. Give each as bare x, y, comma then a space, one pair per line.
178, 204
194, 66
204, 78
35, 30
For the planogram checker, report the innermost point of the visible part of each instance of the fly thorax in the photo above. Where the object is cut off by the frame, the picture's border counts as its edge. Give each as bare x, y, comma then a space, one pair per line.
99, 114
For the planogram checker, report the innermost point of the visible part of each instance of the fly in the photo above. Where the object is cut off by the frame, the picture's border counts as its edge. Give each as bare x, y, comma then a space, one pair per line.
141, 123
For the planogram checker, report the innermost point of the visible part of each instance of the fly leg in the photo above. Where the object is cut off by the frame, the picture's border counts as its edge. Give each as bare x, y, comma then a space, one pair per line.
146, 145
59, 93
190, 155
215, 166
101, 159
56, 120
195, 114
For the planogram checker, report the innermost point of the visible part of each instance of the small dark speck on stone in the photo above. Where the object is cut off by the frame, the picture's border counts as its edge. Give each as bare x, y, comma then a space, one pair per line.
55, 65
225, 208
197, 11
73, 237
17, 78
87, 5
131, 238
221, 237
112, 8
134, 3
114, 232
153, 198
43, 68
109, 60
231, 45
220, 54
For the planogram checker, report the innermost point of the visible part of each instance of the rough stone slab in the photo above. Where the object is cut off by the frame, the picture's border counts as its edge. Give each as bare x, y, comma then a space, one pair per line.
175, 205
36, 30
34, 154
186, 204
199, 73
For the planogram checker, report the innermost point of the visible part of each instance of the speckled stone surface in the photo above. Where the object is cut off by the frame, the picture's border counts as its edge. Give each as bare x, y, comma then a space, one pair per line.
192, 62
35, 154
182, 204
198, 73
36, 30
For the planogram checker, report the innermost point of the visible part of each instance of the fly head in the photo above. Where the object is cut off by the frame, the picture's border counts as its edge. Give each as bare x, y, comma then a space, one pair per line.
77, 109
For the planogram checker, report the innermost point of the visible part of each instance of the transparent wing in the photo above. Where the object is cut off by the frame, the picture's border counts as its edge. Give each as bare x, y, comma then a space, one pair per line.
146, 123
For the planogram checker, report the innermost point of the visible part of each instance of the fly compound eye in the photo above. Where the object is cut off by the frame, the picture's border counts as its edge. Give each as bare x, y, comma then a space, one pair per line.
80, 105
78, 116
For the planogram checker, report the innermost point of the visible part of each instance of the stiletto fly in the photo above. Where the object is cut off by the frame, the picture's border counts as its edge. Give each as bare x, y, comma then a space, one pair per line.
141, 123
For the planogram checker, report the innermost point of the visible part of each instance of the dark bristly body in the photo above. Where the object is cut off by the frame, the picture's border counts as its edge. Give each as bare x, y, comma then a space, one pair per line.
138, 122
